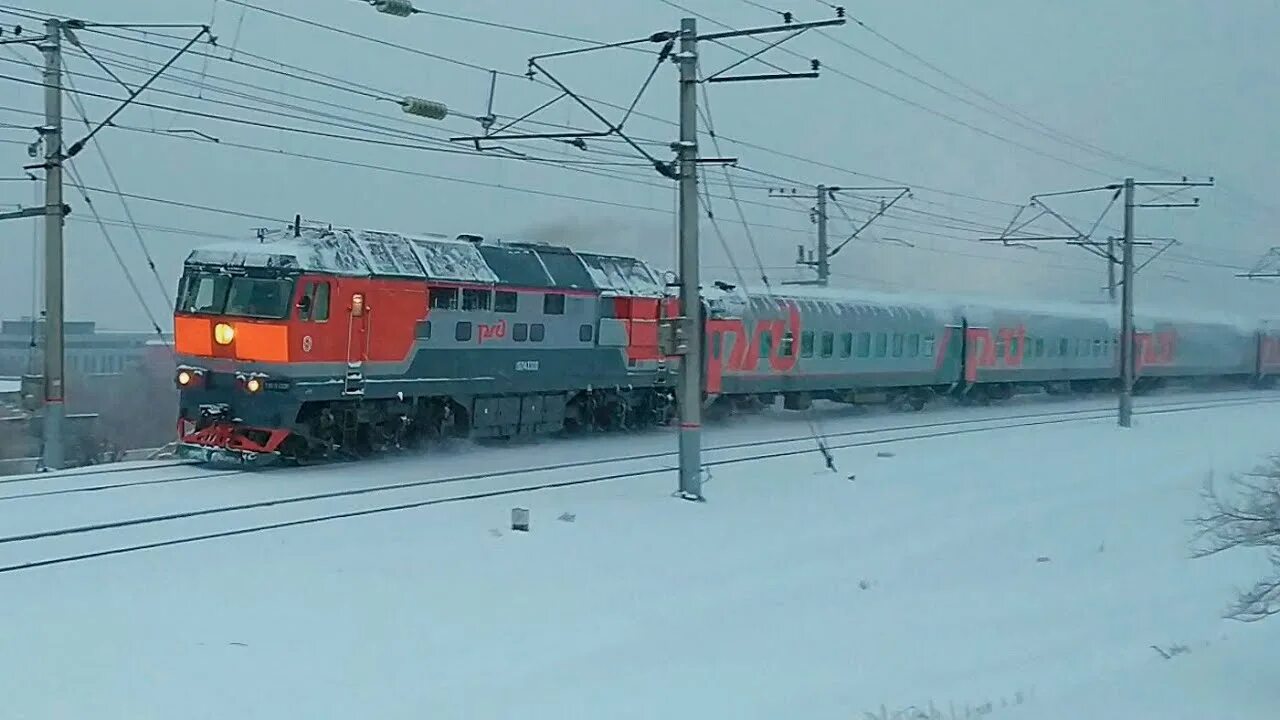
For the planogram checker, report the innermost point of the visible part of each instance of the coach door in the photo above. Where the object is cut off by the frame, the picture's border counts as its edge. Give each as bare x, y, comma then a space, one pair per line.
357, 344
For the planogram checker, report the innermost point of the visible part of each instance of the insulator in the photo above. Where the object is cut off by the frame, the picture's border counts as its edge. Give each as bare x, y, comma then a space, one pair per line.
425, 108
399, 8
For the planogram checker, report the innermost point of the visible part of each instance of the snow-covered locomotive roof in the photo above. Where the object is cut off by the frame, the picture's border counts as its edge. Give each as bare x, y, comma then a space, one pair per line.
364, 253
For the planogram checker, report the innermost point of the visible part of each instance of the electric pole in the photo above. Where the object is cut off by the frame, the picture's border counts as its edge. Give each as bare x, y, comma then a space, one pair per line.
53, 411
690, 382
824, 194
1126, 313
1128, 336
680, 336
51, 135
824, 261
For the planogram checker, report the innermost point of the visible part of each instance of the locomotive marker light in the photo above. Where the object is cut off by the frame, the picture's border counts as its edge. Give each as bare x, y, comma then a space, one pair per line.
223, 333
185, 378
253, 385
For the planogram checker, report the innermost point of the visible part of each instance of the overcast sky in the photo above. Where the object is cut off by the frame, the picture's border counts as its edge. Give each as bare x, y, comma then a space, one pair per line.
1125, 88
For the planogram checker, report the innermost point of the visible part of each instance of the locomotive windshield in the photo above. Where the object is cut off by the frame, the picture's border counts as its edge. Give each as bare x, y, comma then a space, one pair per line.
242, 296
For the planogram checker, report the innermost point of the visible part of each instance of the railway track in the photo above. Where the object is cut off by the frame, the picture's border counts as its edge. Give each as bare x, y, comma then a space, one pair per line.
48, 483
196, 473
488, 484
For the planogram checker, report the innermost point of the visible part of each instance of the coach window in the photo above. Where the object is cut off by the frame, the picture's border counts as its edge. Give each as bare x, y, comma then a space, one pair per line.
505, 301
553, 304
897, 344
864, 344
475, 299
828, 344
846, 344
520, 332
882, 345
462, 331
788, 344
537, 331
927, 350
766, 344
443, 298
1097, 348
1000, 347
586, 332
806, 343
913, 345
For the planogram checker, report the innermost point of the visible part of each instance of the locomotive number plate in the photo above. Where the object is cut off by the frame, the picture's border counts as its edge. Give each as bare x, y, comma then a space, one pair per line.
526, 365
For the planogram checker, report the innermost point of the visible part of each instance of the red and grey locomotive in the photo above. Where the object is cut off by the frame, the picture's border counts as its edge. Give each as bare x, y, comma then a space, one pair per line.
315, 341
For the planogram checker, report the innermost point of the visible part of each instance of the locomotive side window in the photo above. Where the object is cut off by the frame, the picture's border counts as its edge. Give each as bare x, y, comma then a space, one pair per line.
882, 344
864, 345
505, 301
586, 332
846, 344
928, 346
520, 332
897, 344
913, 345
766, 343
475, 299
537, 331
553, 304
462, 331
443, 298
321, 311
314, 305
828, 344
806, 343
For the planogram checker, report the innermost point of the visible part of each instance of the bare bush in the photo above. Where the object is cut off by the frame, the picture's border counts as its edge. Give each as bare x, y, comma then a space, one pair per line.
1248, 516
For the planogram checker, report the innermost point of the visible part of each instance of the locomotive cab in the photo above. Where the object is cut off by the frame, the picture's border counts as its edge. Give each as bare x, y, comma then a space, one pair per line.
232, 338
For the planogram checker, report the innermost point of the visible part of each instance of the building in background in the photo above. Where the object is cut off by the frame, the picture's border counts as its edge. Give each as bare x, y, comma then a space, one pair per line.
120, 387
89, 350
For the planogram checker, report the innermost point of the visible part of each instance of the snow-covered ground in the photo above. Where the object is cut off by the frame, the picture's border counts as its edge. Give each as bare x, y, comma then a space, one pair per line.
1032, 569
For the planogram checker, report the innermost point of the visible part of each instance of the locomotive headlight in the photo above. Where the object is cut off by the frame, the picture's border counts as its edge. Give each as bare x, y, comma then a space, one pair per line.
185, 378
253, 385
223, 334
